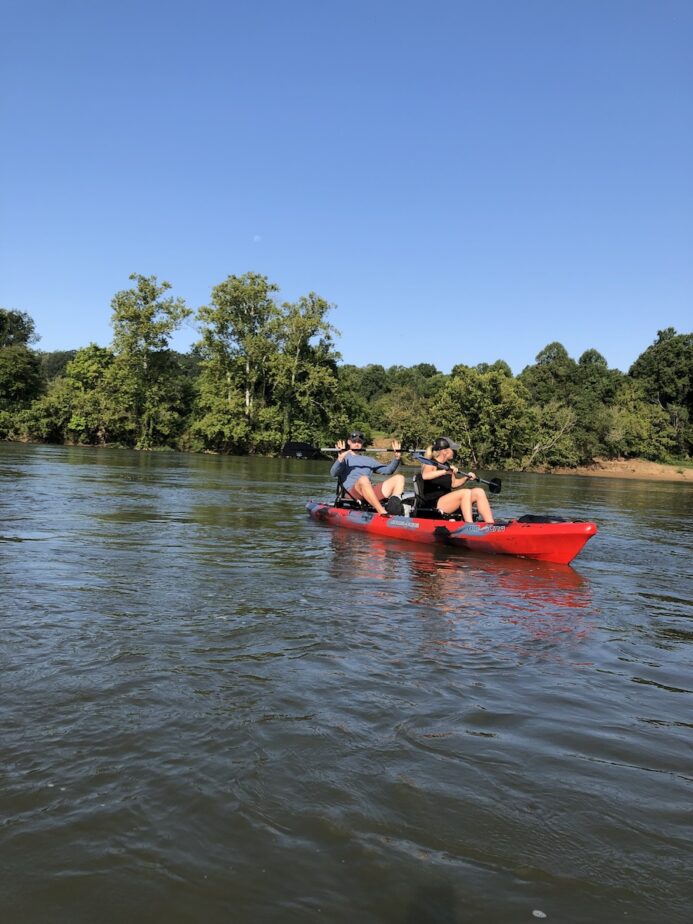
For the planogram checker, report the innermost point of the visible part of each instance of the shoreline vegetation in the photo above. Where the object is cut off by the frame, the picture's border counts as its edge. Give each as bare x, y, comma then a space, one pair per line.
265, 373
638, 469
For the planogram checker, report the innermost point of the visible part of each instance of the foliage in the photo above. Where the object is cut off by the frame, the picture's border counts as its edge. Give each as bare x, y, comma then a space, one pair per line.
16, 328
665, 370
303, 375
20, 376
635, 426
264, 373
490, 414
145, 377
54, 363
238, 341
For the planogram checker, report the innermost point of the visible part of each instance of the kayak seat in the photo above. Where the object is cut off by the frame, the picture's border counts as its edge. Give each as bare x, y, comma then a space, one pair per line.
425, 506
344, 499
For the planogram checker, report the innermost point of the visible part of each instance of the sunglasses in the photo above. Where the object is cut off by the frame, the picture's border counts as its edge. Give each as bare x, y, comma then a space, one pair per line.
356, 437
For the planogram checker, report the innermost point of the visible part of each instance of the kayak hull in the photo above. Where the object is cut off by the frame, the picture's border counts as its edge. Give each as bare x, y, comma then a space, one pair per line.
557, 542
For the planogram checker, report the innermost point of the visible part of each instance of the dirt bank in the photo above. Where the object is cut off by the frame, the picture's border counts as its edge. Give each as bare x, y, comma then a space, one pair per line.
631, 468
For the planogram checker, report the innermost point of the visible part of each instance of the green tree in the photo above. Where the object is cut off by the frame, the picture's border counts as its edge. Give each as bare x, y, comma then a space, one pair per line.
636, 427
80, 405
489, 413
406, 414
16, 328
303, 370
238, 337
54, 363
20, 377
500, 365
594, 389
145, 378
553, 376
665, 372
21, 380
552, 436
349, 407
665, 369
373, 381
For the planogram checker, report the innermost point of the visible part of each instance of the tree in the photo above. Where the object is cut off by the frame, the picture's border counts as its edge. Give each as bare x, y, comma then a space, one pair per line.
490, 414
16, 328
665, 372
553, 442
666, 369
594, 388
144, 376
552, 378
21, 380
373, 381
88, 366
54, 363
303, 370
20, 377
636, 427
405, 413
237, 336
500, 365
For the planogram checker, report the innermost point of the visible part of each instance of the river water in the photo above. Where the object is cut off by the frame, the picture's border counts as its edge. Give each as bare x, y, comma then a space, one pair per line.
215, 709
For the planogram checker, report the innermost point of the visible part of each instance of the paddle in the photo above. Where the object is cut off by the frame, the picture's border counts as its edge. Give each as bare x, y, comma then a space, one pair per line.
494, 485
368, 449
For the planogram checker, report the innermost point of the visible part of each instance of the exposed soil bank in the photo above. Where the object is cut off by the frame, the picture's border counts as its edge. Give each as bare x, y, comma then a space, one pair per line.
631, 468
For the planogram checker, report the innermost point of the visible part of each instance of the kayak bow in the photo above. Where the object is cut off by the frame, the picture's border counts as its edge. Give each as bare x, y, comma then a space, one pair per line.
543, 538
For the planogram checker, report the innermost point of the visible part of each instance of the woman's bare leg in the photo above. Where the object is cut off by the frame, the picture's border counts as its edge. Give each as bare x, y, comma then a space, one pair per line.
456, 502
463, 501
482, 505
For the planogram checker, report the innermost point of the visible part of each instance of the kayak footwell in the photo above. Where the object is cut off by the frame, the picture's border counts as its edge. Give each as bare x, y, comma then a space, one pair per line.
557, 541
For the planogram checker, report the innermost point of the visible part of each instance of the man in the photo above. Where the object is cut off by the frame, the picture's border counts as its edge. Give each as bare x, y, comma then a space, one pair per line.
354, 472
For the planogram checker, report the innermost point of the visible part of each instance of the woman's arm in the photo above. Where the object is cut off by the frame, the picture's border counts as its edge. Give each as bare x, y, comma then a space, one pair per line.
459, 479
429, 471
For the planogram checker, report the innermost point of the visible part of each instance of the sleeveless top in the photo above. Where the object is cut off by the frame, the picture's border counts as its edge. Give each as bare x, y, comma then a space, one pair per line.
435, 488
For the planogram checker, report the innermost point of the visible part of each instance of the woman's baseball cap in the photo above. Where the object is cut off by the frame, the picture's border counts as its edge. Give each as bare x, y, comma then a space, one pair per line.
444, 442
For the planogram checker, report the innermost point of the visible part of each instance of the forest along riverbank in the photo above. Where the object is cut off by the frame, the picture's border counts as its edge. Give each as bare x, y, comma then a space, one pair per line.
609, 468
600, 468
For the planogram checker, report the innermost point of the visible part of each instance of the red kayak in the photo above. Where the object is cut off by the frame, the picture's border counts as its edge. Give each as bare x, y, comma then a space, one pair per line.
543, 538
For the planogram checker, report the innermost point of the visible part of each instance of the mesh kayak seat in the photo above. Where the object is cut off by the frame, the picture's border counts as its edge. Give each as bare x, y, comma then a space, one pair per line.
344, 499
426, 506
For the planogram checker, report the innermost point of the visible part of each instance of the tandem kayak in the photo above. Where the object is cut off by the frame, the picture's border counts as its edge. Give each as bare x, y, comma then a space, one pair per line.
551, 539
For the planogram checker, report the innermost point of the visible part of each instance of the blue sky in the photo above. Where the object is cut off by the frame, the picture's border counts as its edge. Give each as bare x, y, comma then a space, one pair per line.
464, 181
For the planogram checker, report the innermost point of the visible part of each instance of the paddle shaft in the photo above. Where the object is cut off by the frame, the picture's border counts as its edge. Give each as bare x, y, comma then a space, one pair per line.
494, 485
368, 449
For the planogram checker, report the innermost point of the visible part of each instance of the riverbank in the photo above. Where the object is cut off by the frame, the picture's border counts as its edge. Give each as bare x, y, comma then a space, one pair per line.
610, 468
600, 468
629, 468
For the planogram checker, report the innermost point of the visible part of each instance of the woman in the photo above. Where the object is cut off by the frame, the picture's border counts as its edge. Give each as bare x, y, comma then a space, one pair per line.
440, 478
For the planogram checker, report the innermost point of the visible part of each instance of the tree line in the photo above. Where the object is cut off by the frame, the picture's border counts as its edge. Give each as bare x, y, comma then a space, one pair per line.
264, 372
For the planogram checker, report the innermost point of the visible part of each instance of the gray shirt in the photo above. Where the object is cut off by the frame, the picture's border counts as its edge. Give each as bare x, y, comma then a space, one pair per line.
352, 467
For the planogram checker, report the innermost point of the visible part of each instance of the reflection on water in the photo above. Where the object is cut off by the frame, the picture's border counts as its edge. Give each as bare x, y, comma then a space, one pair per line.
214, 708
460, 595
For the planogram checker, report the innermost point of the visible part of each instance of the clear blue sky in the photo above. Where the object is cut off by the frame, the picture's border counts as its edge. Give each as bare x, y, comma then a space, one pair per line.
466, 181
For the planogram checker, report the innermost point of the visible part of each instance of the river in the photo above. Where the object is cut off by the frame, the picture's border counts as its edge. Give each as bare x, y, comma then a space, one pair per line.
215, 709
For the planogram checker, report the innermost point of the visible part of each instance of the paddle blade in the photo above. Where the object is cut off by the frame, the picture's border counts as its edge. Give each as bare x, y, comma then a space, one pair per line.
494, 485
